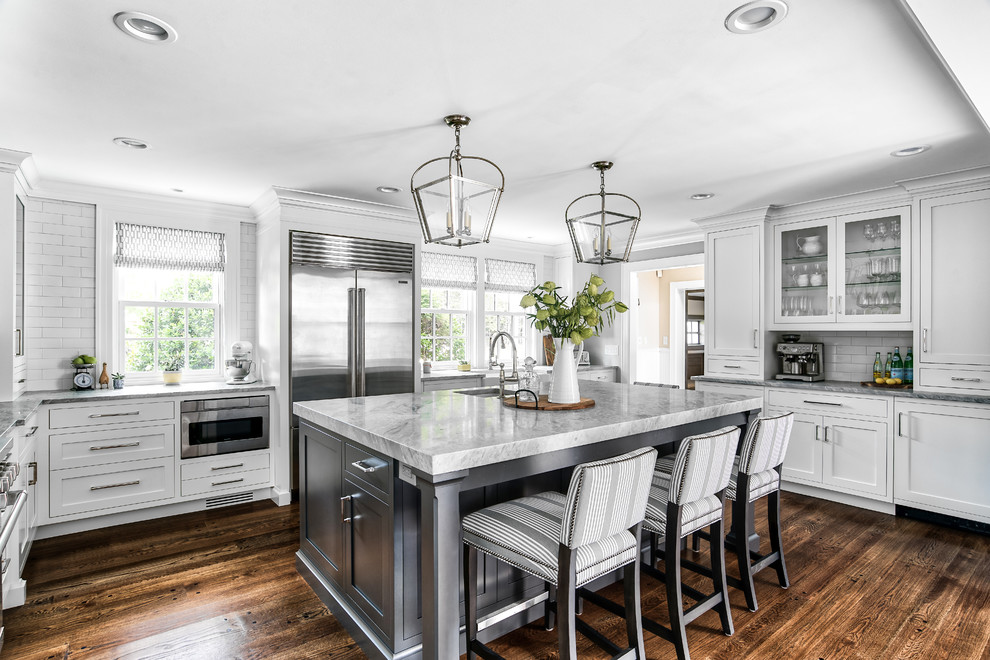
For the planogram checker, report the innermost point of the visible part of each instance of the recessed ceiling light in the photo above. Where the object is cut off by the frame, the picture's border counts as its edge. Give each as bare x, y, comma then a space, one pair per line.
388, 189
755, 16
130, 143
145, 27
910, 151
178, 190
700, 196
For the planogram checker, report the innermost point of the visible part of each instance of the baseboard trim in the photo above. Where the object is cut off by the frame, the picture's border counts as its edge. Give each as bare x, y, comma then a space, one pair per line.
841, 498
280, 496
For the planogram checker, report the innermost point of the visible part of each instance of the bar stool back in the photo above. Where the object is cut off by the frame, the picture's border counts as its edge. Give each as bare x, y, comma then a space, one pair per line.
568, 541
688, 494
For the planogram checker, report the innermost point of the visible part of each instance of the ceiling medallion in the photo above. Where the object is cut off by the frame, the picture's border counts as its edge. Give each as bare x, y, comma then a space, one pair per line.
602, 225
450, 204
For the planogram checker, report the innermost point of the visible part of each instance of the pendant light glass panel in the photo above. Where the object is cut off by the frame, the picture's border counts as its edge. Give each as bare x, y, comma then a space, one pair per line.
602, 227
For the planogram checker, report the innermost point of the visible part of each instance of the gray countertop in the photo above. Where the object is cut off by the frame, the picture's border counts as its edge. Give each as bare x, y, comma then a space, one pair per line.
439, 432
493, 373
846, 387
13, 413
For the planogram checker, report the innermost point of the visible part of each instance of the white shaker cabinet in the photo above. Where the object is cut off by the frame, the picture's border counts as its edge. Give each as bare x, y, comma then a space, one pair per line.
734, 302
943, 451
955, 290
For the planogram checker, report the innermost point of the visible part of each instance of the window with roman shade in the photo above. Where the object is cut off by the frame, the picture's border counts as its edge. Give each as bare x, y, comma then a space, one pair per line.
449, 282
505, 284
169, 290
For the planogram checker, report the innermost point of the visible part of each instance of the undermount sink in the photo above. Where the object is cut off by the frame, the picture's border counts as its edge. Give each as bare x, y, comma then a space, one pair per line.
485, 392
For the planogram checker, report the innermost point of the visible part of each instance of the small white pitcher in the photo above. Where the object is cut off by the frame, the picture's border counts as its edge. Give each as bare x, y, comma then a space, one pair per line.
564, 387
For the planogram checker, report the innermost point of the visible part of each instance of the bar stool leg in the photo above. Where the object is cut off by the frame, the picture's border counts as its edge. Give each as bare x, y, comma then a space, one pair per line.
549, 615
566, 625
470, 598
634, 618
776, 543
742, 520
672, 575
717, 547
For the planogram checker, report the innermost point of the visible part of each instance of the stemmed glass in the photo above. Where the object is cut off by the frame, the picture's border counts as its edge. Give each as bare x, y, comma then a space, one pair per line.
868, 232
895, 231
881, 232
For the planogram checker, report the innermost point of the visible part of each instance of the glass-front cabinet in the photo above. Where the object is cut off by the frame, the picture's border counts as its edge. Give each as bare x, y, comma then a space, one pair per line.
851, 269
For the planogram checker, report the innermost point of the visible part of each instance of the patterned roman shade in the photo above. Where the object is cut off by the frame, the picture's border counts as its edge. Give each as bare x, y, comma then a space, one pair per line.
449, 271
501, 275
167, 248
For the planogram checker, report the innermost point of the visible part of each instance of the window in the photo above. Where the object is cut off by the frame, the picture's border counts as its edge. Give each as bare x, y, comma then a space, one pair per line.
695, 333
169, 320
505, 284
444, 324
449, 285
169, 289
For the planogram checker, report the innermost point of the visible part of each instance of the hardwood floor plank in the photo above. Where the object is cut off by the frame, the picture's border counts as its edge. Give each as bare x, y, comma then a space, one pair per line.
222, 584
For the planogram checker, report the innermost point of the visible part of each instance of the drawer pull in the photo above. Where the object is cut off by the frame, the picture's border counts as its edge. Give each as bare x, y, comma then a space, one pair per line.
364, 467
826, 434
226, 467
34, 429
924, 340
732, 366
120, 485
34, 479
818, 432
756, 338
900, 425
126, 414
120, 446
824, 403
224, 483
967, 380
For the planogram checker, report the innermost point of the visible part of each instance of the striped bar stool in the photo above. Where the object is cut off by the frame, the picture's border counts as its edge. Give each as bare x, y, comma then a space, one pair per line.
568, 541
756, 474
688, 494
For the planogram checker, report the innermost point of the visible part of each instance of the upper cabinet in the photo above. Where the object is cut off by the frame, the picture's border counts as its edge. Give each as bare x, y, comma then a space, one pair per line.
853, 270
954, 281
734, 302
19, 280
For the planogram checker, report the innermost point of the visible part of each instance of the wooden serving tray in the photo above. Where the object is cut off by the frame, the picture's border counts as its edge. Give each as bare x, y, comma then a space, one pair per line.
885, 386
543, 404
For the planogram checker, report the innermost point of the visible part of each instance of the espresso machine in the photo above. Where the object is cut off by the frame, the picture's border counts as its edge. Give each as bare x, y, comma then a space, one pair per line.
800, 360
240, 366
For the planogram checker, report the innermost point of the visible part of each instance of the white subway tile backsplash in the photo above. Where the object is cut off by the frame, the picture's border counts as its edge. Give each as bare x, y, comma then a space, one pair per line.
62, 250
849, 355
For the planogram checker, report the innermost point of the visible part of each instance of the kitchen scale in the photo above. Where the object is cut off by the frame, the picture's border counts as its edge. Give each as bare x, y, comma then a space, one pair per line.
83, 378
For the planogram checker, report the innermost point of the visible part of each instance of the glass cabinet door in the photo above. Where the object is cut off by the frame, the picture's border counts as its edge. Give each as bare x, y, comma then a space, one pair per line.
803, 275
875, 277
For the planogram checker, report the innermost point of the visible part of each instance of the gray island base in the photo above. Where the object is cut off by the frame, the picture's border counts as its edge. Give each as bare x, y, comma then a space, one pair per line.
385, 480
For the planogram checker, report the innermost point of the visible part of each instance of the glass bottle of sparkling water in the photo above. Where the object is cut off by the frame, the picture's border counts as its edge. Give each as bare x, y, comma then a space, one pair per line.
897, 365
909, 368
888, 366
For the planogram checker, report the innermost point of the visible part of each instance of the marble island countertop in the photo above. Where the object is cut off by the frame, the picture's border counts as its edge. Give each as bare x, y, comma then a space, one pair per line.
446, 431
493, 373
846, 387
13, 413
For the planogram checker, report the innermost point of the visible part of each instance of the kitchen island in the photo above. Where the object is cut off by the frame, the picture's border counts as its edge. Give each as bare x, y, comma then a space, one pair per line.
385, 480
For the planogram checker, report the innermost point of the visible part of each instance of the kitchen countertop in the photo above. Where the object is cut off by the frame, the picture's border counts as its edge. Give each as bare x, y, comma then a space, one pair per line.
13, 413
493, 373
846, 387
440, 432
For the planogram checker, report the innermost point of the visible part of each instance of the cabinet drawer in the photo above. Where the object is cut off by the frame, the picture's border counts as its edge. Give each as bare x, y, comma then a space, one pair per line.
369, 467
223, 482
69, 450
829, 404
221, 465
734, 367
118, 413
606, 375
79, 490
957, 380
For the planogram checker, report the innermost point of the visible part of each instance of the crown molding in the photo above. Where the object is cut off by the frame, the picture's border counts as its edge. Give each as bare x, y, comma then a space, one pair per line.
668, 240
842, 204
334, 204
128, 200
735, 218
11, 160
972, 178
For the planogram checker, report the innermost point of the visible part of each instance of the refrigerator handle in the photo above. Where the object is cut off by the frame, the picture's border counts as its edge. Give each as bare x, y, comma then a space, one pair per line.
359, 317
352, 345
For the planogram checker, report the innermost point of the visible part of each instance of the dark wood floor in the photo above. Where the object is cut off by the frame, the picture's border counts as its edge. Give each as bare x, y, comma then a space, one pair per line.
222, 584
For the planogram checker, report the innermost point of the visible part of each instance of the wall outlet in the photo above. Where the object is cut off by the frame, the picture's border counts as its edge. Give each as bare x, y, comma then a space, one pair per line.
666, 340
611, 349
406, 474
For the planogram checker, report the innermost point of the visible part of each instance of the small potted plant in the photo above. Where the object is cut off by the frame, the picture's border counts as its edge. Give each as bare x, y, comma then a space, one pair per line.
464, 366
172, 369
118, 380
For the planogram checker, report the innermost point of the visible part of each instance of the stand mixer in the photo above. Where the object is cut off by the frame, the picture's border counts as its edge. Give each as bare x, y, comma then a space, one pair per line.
240, 366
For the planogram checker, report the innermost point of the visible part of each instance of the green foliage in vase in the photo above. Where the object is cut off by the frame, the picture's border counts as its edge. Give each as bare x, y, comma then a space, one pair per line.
581, 319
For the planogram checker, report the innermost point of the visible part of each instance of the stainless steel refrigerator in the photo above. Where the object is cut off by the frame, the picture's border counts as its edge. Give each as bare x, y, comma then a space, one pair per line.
352, 306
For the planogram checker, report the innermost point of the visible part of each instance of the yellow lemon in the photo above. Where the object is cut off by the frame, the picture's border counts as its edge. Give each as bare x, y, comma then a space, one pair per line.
898, 381
891, 381
879, 381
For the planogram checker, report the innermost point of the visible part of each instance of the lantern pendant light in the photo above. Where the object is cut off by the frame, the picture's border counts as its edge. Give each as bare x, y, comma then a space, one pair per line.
452, 205
601, 235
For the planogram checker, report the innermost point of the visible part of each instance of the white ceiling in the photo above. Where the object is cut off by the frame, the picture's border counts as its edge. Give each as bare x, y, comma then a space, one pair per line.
339, 98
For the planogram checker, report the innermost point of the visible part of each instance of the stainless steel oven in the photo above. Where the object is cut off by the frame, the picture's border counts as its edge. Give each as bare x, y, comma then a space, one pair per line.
224, 426
11, 504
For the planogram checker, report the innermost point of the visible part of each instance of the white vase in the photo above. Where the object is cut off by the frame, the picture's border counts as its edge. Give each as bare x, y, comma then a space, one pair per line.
564, 388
